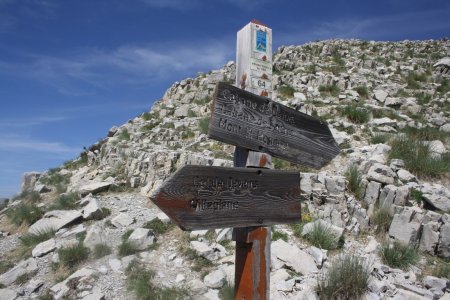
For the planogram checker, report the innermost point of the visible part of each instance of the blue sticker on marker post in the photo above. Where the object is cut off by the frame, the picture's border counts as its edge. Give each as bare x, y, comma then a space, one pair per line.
261, 41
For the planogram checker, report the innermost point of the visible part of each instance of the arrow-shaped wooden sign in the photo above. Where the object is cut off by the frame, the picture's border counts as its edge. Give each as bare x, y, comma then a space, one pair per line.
244, 119
200, 197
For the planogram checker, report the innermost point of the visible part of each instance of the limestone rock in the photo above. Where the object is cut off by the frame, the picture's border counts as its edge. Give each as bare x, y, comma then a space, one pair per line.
444, 241
8, 294
92, 210
94, 188
435, 283
29, 179
203, 250
44, 248
122, 220
141, 238
54, 220
290, 255
429, 238
24, 267
440, 202
403, 228
82, 276
215, 279
94, 236
372, 192
381, 173
380, 95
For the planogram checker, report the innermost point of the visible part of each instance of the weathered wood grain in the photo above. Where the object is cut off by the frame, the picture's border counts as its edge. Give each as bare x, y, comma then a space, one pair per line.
258, 123
199, 197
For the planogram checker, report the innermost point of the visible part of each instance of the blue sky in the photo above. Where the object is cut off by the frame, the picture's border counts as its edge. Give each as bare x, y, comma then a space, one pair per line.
70, 70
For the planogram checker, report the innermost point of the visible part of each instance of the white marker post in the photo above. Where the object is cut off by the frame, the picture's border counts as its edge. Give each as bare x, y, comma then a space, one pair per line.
254, 74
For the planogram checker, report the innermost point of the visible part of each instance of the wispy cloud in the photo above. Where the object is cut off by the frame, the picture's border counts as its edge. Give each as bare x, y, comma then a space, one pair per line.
17, 123
387, 27
16, 143
198, 4
130, 64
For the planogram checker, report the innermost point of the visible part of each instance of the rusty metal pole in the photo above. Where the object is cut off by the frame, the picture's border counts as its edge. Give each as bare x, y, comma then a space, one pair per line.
252, 264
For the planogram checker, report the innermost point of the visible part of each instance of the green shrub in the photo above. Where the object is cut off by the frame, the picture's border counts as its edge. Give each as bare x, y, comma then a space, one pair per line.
444, 87
362, 91
101, 250
140, 281
423, 98
124, 135
66, 202
24, 213
53, 177
277, 235
169, 125
347, 278
126, 248
356, 114
399, 255
202, 101
32, 239
332, 90
418, 157
322, 237
442, 270
382, 218
199, 262
380, 138
81, 161
5, 265
286, 91
191, 113
148, 127
226, 292
354, 181
203, 125
71, 256
417, 195
158, 226
29, 196
426, 134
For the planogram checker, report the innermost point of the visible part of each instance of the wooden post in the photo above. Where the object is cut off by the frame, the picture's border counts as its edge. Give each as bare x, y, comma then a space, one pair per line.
254, 74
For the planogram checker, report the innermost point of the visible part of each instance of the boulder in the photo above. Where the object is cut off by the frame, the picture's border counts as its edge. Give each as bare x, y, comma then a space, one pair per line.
82, 277
141, 238
403, 228
429, 238
381, 173
8, 294
432, 282
444, 241
380, 95
94, 188
29, 179
372, 192
92, 210
215, 279
122, 220
437, 201
94, 236
41, 188
24, 267
203, 250
294, 258
54, 220
43, 248
405, 176
387, 196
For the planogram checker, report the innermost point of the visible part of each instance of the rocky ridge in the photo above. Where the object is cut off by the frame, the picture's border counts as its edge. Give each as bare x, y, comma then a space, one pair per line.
370, 93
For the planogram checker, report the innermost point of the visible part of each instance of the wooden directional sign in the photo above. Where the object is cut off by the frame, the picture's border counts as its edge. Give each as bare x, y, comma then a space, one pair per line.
200, 197
258, 123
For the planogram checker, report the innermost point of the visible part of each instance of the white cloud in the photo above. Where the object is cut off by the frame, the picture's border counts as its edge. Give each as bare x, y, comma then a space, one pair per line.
31, 121
15, 143
78, 74
387, 27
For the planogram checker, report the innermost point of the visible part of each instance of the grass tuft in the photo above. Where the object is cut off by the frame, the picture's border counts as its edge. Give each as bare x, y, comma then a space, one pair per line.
73, 255
356, 114
158, 226
66, 202
347, 278
286, 91
362, 91
140, 281
203, 124
382, 218
380, 138
126, 248
31, 240
354, 181
398, 255
101, 250
277, 235
331, 89
24, 214
322, 237
226, 292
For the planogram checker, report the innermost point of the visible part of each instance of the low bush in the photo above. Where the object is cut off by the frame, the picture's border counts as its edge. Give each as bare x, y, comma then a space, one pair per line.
347, 278
356, 114
203, 125
158, 226
362, 91
398, 255
32, 239
444, 87
277, 235
332, 90
226, 292
126, 248
81, 161
101, 250
71, 256
382, 218
380, 138
66, 202
426, 134
140, 281
417, 195
322, 237
24, 214
286, 91
418, 157
124, 135
354, 181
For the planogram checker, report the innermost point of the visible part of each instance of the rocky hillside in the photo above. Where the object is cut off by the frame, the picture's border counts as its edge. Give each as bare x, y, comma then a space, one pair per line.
379, 211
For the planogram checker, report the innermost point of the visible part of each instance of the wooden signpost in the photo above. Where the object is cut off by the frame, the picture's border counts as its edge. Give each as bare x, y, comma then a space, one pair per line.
200, 197
249, 199
244, 119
